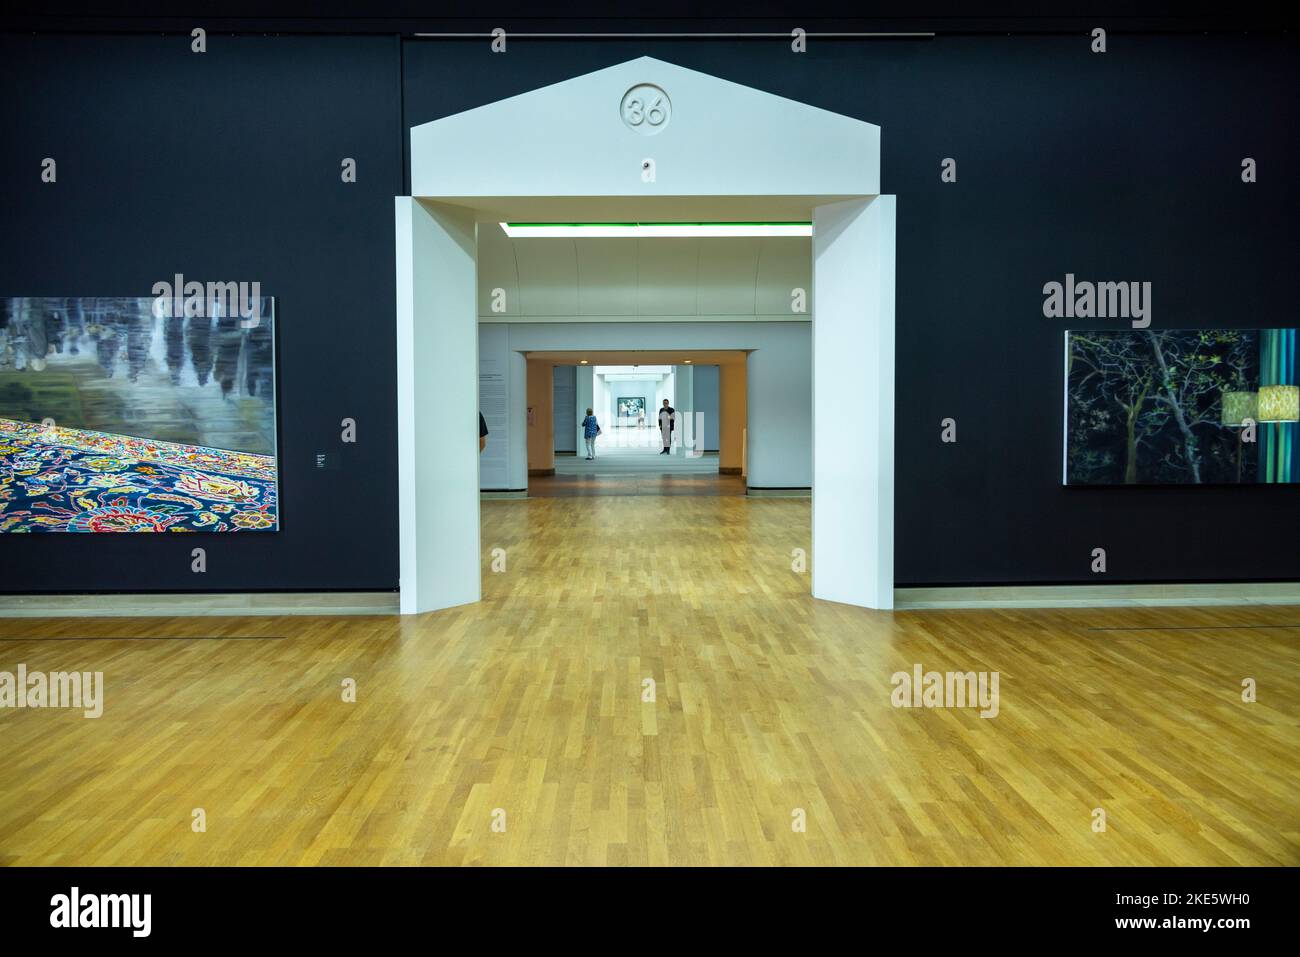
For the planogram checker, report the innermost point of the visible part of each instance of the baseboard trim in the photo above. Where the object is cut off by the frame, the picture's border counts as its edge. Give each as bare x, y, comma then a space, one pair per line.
540, 472
199, 605
757, 492
1098, 596
191, 605
729, 470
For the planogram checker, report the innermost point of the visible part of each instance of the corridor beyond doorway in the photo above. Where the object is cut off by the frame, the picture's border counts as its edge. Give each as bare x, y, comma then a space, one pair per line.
626, 391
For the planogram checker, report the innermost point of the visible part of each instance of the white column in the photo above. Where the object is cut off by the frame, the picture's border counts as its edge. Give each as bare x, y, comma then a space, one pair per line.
437, 406
684, 403
853, 402
602, 403
517, 455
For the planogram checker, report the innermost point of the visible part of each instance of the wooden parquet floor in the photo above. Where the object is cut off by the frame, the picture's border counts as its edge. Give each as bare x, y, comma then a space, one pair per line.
514, 731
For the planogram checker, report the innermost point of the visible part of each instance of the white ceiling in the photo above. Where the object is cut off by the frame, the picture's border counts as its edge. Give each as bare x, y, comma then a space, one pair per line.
633, 376
634, 369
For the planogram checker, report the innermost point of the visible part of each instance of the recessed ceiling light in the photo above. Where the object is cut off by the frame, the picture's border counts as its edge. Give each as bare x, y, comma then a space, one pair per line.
687, 361
582, 362
650, 230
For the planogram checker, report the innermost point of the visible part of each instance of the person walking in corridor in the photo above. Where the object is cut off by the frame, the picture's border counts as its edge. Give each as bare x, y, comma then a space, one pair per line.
667, 422
590, 429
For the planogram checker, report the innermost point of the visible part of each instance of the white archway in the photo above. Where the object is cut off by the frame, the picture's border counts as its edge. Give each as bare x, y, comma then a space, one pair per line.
721, 152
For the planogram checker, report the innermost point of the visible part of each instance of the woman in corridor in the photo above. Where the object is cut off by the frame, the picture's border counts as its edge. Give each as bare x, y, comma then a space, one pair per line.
590, 429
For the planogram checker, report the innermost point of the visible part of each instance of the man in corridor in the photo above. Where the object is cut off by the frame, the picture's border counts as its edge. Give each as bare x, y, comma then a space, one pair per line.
667, 422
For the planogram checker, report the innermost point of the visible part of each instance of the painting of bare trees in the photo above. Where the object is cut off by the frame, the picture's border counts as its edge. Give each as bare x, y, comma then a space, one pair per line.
1146, 407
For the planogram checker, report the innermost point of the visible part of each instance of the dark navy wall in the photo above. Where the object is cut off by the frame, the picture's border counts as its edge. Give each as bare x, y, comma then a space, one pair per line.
1122, 166
223, 166
1117, 166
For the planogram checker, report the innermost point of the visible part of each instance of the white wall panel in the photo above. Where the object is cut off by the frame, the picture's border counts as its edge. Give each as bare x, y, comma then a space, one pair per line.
570, 139
784, 262
548, 277
728, 274
495, 404
606, 277
437, 369
667, 276
496, 270
853, 416
706, 397
564, 408
518, 476
779, 403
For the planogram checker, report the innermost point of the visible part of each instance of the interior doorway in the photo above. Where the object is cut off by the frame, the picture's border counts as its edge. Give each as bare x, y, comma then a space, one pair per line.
666, 422
722, 155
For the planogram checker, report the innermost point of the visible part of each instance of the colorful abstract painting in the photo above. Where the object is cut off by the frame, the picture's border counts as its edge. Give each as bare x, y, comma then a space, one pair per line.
1181, 407
70, 480
120, 416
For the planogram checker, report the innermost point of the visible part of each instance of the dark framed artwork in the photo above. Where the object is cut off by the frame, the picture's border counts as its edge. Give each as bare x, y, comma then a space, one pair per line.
630, 407
1181, 407
124, 415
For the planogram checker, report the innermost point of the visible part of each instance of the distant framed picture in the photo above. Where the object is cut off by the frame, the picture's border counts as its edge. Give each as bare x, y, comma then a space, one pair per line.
631, 408
129, 415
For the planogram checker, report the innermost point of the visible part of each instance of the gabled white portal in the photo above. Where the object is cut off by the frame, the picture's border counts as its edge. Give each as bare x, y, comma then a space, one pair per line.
553, 154
645, 141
